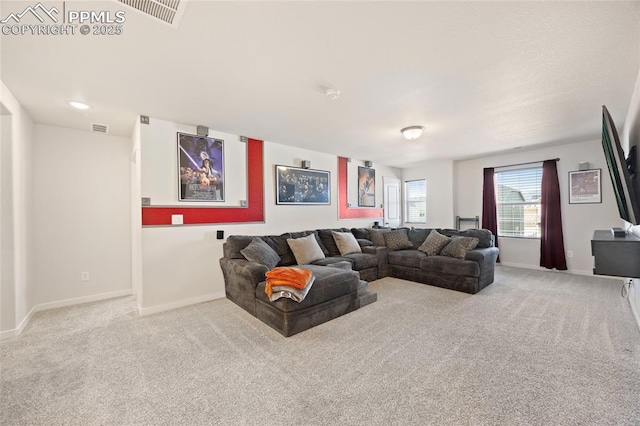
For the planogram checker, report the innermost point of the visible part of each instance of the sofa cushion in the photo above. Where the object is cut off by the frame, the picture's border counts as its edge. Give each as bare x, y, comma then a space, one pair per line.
360, 261
305, 249
361, 233
459, 246
364, 243
484, 236
346, 243
409, 258
326, 237
434, 243
301, 234
329, 284
376, 236
417, 236
260, 252
397, 240
234, 244
449, 265
279, 244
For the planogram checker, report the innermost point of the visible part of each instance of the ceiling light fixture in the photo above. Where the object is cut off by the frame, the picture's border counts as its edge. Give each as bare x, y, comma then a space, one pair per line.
78, 105
332, 94
412, 132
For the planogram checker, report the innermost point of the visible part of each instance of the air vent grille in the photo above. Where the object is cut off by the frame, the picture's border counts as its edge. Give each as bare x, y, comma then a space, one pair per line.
99, 128
167, 11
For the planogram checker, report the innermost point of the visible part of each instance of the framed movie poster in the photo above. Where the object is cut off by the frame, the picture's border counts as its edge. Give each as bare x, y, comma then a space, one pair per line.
302, 186
366, 187
585, 187
200, 168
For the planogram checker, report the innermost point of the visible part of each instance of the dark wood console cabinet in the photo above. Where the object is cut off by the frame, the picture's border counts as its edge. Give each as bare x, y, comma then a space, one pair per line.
618, 257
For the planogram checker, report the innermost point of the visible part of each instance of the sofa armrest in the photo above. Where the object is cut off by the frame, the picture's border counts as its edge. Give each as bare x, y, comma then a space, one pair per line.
241, 278
486, 259
382, 254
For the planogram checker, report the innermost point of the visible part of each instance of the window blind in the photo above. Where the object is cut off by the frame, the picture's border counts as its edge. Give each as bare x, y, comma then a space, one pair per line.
416, 201
518, 194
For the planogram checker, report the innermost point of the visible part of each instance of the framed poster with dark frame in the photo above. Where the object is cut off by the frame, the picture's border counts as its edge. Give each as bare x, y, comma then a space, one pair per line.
585, 187
296, 185
200, 168
366, 187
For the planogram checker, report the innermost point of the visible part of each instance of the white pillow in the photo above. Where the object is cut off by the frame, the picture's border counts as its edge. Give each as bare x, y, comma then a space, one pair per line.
305, 249
346, 242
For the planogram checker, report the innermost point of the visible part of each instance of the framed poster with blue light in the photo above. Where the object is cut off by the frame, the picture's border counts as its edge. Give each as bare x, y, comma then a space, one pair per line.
200, 168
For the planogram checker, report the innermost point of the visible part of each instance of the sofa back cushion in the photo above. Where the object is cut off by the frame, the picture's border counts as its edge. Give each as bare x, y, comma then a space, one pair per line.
484, 236
327, 241
417, 236
377, 238
234, 244
361, 233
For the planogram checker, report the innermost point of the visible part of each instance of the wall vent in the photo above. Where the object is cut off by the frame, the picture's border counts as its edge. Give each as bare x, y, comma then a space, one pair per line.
99, 128
168, 11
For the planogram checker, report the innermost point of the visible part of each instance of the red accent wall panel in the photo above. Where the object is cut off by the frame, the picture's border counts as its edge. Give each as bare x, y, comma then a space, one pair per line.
254, 212
344, 211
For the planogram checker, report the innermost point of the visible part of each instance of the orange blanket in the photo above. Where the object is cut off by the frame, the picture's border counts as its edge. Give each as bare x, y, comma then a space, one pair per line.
283, 275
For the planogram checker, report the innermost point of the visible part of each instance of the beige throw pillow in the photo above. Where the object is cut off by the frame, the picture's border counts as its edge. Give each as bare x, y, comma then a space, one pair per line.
434, 243
305, 249
346, 243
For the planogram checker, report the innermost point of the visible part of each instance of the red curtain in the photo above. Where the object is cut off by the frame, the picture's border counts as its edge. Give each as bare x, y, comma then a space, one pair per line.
489, 215
551, 239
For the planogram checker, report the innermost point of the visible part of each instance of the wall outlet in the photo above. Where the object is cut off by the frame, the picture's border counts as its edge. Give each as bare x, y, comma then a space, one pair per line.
84, 276
569, 253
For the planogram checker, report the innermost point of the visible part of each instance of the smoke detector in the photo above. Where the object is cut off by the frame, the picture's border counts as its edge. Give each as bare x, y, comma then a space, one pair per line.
332, 94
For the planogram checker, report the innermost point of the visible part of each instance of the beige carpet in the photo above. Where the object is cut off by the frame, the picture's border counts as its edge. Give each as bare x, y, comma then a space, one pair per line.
532, 348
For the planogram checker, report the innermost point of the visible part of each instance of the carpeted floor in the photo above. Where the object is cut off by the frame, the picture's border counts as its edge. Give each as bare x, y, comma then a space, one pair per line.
533, 348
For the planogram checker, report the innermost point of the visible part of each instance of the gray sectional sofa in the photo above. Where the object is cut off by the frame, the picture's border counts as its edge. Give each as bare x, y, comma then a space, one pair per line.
341, 280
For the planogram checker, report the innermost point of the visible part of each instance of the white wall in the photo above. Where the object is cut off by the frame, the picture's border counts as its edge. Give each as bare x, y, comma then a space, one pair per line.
440, 192
18, 250
579, 220
180, 264
81, 215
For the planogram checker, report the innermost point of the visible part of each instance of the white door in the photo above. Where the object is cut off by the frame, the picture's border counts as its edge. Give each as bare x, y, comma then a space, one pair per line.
392, 210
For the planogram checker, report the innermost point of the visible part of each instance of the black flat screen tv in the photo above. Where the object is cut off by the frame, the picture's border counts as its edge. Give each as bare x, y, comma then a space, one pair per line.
623, 186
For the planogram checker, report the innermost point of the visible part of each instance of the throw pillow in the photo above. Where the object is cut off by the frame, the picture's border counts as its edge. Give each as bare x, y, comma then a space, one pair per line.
434, 243
346, 243
459, 246
305, 249
377, 237
260, 252
396, 240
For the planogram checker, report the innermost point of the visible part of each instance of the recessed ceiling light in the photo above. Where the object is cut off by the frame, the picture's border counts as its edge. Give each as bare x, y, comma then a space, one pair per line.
78, 105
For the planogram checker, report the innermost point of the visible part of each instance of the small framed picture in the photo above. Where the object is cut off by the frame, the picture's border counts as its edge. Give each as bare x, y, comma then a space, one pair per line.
366, 187
296, 185
585, 187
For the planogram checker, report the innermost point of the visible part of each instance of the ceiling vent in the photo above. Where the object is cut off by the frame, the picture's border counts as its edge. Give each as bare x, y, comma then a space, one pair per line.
99, 128
168, 11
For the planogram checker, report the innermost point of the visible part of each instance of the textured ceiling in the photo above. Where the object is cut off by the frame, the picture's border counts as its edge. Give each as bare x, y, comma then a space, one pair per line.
481, 77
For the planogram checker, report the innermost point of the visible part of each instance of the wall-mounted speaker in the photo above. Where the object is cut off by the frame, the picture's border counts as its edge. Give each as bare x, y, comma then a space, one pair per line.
202, 131
306, 164
583, 165
368, 163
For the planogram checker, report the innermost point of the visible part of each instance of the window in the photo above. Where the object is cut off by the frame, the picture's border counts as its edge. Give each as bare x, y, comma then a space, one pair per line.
415, 195
518, 194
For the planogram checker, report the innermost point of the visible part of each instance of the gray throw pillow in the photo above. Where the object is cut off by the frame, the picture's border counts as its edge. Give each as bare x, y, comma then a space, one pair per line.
258, 251
434, 243
459, 246
397, 240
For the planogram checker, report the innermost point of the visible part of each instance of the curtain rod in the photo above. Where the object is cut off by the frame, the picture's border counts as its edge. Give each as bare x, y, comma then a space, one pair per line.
530, 162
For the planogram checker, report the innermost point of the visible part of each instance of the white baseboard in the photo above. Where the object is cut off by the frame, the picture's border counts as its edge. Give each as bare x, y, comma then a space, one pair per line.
84, 299
540, 268
634, 309
10, 334
180, 303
